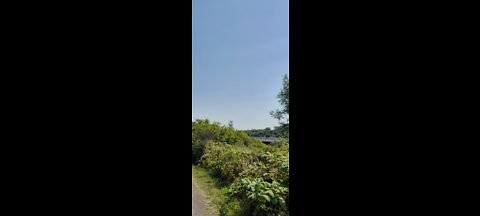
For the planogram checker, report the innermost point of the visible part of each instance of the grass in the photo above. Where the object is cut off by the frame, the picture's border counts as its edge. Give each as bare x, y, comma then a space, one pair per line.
217, 198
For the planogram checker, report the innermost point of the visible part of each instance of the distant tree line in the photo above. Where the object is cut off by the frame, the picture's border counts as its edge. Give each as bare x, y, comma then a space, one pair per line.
267, 132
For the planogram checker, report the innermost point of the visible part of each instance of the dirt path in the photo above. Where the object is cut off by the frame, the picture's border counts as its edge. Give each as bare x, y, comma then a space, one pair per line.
198, 201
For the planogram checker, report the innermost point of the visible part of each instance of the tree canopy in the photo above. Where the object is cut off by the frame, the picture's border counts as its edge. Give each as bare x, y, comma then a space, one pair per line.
282, 115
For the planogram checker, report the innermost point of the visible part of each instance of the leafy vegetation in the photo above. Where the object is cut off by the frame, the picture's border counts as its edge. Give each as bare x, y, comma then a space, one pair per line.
263, 186
282, 115
227, 161
267, 132
204, 132
253, 177
255, 174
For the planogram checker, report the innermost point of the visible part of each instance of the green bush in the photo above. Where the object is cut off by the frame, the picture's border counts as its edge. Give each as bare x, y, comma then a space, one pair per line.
256, 174
280, 142
260, 197
271, 167
227, 161
263, 186
204, 131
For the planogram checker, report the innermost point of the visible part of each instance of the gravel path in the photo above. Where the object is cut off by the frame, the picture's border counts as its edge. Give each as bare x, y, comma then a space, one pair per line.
198, 201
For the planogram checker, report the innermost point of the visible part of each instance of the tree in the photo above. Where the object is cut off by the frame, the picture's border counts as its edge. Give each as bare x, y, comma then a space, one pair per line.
268, 132
282, 115
230, 124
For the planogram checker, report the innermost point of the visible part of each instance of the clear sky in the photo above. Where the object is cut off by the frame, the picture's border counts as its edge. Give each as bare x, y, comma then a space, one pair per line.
239, 56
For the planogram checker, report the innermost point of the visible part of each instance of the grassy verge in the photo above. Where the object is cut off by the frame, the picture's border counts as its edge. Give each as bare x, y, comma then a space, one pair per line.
217, 198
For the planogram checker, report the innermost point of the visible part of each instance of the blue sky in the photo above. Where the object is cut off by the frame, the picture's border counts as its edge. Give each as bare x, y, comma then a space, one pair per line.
239, 56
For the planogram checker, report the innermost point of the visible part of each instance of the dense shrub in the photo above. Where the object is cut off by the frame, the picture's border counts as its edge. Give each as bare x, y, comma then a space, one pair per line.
204, 131
280, 142
257, 174
198, 148
263, 186
227, 161
260, 197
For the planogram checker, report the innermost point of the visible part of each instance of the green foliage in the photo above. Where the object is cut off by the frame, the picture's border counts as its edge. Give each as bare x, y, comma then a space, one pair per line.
267, 132
256, 174
204, 132
228, 161
261, 197
263, 186
280, 142
271, 167
282, 115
